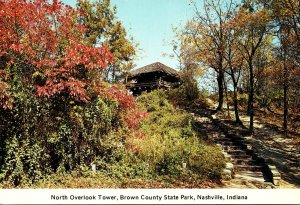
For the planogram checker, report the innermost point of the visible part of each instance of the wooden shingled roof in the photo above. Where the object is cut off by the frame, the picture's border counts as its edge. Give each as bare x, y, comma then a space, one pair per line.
153, 68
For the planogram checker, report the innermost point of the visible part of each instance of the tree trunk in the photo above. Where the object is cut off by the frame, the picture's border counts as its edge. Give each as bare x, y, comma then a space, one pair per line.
235, 103
248, 102
251, 95
235, 100
227, 100
220, 80
285, 100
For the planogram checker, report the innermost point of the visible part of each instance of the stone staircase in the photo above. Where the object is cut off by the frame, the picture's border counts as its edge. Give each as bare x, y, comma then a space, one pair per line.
243, 164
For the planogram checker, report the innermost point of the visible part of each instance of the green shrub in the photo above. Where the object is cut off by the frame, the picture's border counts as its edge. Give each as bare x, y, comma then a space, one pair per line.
44, 136
188, 90
187, 95
171, 145
206, 161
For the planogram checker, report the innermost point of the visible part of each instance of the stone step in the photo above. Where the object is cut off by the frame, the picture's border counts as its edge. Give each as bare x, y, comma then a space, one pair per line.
222, 139
240, 157
235, 147
249, 176
236, 152
231, 147
208, 126
213, 134
254, 168
224, 143
244, 162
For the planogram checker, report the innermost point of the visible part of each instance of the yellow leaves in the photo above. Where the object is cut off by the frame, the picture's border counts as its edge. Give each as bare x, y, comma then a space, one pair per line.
103, 27
285, 8
245, 19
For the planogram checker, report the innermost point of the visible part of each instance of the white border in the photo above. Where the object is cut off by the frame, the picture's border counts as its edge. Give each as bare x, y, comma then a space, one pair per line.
160, 196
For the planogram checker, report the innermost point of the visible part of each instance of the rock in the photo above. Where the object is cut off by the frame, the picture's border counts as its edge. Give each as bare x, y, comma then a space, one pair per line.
229, 166
227, 174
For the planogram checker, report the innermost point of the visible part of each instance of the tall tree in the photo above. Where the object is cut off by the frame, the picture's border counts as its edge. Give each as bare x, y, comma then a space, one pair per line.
191, 68
210, 36
253, 26
103, 28
286, 24
235, 62
287, 16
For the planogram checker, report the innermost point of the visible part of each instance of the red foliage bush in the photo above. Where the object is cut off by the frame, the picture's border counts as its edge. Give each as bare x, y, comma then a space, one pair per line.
48, 36
126, 103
